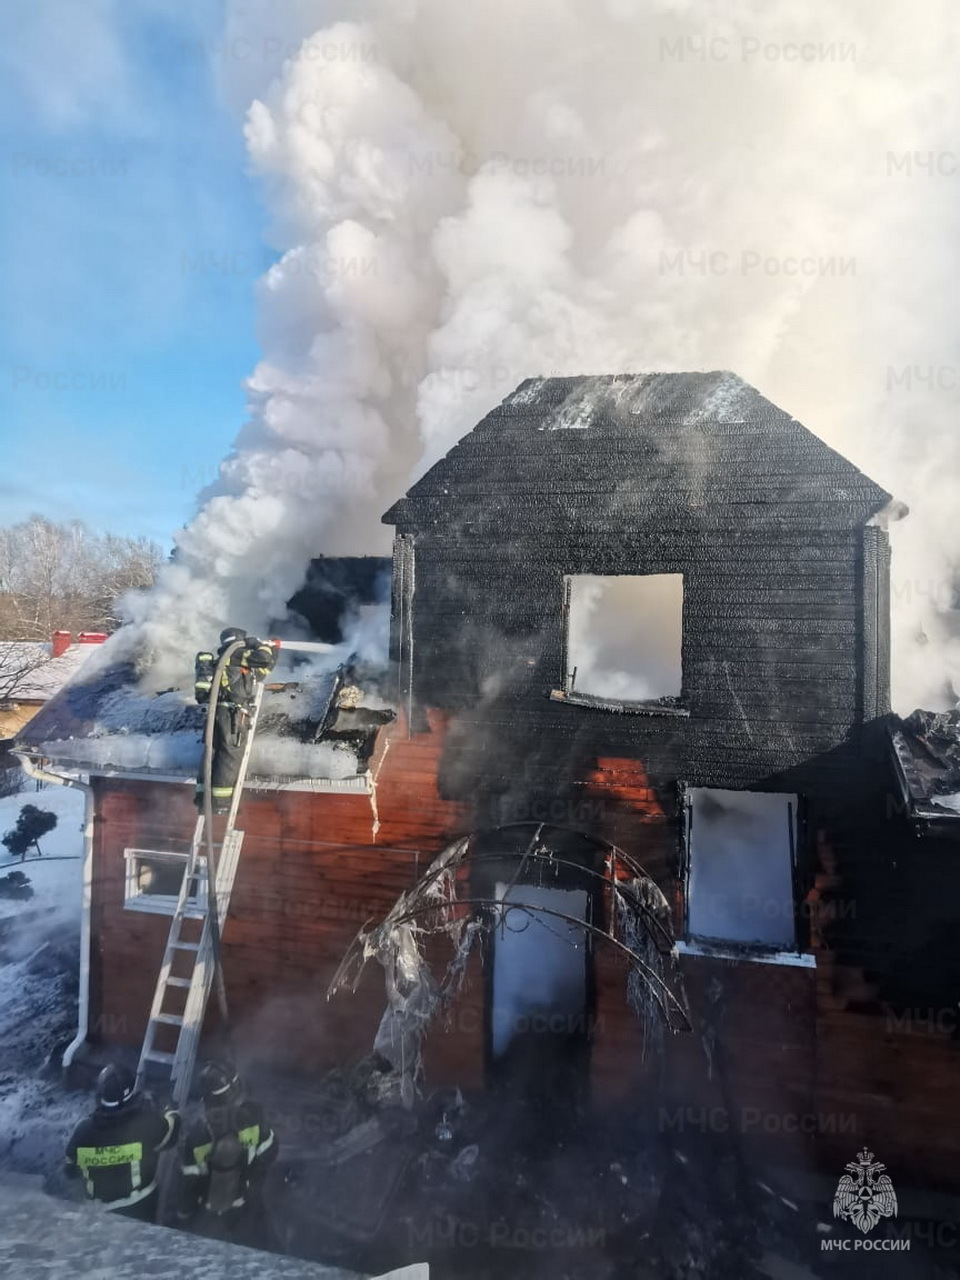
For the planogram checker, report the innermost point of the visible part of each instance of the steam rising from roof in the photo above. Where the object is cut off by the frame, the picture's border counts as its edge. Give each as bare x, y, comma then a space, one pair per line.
466, 195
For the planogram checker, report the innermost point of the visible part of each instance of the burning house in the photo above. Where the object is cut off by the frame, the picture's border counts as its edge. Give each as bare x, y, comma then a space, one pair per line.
638, 691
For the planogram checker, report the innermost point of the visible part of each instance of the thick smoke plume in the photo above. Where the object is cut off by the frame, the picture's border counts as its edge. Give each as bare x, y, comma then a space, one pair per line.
465, 195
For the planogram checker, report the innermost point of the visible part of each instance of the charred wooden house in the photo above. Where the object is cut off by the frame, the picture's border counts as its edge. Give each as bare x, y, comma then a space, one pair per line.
636, 621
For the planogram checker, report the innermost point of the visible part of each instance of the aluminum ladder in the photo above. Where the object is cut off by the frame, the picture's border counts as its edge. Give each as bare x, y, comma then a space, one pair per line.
189, 962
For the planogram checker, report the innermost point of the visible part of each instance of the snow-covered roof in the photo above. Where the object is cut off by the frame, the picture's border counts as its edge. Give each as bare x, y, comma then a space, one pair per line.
107, 725
620, 450
45, 675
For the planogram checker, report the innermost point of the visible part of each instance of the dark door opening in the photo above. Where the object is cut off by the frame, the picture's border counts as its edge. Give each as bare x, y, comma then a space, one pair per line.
540, 998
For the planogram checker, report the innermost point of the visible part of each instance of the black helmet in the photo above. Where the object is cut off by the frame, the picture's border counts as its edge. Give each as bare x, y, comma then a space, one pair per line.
229, 634
115, 1087
219, 1082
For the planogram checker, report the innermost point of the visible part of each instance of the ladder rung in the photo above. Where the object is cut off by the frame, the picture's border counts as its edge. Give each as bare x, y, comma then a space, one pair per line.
216, 890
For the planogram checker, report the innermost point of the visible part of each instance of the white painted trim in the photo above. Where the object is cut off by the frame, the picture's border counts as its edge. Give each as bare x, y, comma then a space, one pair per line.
359, 785
158, 904
797, 959
33, 770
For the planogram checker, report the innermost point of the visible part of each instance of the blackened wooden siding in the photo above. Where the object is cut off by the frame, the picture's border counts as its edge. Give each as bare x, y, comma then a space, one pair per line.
785, 619
690, 474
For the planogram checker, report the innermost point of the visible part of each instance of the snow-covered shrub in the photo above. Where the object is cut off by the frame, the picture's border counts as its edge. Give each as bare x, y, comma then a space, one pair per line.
32, 823
15, 885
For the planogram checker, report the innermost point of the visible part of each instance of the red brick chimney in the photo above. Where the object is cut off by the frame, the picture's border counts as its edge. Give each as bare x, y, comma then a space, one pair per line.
62, 640
91, 637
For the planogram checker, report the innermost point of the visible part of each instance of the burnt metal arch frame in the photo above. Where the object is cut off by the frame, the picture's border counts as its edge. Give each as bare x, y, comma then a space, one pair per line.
638, 927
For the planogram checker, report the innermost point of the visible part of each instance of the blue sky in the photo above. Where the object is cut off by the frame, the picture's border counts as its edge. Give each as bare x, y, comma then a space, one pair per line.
131, 237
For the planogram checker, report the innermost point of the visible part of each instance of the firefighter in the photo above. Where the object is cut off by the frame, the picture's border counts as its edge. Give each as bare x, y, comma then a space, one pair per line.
227, 1154
245, 667
117, 1149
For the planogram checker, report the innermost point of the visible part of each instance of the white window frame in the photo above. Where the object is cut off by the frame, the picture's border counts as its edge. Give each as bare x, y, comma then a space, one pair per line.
158, 904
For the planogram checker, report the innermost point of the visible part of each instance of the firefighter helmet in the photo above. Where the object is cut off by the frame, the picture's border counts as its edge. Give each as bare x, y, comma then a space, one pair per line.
229, 634
115, 1086
219, 1082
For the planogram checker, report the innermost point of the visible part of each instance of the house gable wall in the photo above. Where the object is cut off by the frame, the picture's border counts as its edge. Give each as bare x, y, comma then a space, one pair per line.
313, 870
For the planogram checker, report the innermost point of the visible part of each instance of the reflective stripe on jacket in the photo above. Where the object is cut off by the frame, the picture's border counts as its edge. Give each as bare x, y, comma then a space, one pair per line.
248, 1123
117, 1153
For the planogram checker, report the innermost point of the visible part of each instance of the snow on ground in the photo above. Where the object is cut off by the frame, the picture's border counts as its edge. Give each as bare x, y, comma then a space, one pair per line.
56, 882
39, 951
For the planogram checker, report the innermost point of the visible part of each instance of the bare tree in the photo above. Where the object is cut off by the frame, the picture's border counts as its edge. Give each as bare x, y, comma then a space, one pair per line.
123, 565
68, 577
18, 662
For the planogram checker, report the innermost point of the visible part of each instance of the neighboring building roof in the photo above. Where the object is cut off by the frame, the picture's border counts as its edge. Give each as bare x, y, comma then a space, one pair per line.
614, 450
49, 676
105, 725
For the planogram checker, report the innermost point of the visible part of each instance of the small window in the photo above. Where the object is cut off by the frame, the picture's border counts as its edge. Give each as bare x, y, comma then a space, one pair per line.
153, 881
624, 638
741, 850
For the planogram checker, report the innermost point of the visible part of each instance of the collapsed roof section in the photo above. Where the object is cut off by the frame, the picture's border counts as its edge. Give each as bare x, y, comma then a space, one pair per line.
602, 452
318, 722
314, 729
926, 753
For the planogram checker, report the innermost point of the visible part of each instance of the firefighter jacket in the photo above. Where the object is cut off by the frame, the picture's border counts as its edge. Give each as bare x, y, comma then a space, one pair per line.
117, 1151
240, 1122
245, 666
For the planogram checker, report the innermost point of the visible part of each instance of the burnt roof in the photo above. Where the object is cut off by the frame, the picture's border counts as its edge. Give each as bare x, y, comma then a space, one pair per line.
926, 753
106, 724
626, 449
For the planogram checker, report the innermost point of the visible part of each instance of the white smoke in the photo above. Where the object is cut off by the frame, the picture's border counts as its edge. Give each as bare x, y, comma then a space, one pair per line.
466, 195
625, 636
